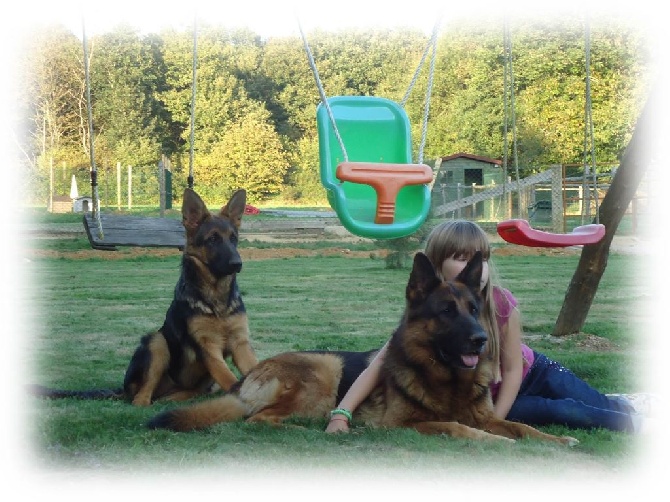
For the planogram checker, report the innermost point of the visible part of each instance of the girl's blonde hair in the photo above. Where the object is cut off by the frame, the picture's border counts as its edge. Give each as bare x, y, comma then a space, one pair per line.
462, 238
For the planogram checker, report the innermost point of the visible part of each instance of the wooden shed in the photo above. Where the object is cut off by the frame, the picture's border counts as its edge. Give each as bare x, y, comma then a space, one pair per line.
464, 174
469, 169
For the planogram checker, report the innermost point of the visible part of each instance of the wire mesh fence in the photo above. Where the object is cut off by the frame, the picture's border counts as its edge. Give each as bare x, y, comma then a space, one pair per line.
119, 187
549, 200
557, 199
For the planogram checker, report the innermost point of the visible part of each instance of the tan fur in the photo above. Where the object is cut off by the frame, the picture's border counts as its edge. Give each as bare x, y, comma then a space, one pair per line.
208, 332
156, 371
214, 322
422, 384
219, 330
205, 324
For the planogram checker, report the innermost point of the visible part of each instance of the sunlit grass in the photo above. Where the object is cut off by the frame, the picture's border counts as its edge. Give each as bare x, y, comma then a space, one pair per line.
89, 315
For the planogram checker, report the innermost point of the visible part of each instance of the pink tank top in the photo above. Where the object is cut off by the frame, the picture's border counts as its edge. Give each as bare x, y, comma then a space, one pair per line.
505, 303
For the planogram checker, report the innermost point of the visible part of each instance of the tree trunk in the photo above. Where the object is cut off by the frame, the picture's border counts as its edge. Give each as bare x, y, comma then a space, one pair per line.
593, 260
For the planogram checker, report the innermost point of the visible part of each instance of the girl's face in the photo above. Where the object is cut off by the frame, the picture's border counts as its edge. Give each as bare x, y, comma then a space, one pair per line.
451, 267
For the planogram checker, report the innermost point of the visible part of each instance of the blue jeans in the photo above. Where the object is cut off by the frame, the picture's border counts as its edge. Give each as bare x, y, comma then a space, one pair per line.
552, 394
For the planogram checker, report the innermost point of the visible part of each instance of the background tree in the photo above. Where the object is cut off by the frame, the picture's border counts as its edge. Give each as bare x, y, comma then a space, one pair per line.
124, 77
285, 82
249, 155
52, 104
467, 108
638, 156
141, 91
304, 177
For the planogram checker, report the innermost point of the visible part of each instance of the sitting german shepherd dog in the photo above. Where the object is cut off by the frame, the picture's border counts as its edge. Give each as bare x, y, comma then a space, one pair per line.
434, 378
205, 323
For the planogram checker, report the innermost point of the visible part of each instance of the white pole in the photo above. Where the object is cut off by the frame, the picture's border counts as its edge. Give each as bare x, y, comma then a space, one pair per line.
118, 185
130, 187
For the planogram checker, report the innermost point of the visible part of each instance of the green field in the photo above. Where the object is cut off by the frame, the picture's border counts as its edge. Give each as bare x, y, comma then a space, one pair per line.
88, 310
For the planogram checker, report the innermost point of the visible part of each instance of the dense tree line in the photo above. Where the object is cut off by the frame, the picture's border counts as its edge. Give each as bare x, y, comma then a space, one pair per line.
256, 99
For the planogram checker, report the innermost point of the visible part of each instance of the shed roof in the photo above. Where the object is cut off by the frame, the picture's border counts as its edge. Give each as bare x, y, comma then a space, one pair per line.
479, 158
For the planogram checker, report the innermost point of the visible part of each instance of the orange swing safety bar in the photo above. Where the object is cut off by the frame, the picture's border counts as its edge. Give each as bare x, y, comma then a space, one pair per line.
387, 180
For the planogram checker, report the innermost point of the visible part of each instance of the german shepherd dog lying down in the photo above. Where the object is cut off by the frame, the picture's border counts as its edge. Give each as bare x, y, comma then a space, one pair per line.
205, 324
435, 376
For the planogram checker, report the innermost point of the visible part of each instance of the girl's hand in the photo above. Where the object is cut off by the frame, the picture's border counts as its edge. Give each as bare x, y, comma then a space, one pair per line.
338, 424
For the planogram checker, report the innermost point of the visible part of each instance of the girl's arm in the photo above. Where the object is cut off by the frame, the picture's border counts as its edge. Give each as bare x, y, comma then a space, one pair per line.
358, 391
512, 365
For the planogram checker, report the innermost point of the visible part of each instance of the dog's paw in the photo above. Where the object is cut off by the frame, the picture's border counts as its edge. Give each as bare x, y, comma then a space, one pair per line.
141, 401
570, 441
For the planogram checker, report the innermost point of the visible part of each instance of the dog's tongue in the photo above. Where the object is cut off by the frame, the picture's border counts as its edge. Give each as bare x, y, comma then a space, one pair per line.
470, 360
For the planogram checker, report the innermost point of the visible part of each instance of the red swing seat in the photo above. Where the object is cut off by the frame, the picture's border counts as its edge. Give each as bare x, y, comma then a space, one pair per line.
517, 231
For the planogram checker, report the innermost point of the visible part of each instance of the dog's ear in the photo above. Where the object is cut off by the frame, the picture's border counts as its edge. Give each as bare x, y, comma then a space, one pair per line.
193, 211
422, 280
471, 275
235, 207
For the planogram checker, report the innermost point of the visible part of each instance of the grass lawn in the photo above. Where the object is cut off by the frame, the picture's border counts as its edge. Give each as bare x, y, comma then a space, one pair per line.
87, 310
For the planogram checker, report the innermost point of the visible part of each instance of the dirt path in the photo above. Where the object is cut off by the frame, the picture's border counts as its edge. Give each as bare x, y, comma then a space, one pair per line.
303, 230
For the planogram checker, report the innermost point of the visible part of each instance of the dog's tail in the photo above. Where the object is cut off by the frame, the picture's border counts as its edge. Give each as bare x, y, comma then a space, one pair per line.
199, 416
47, 392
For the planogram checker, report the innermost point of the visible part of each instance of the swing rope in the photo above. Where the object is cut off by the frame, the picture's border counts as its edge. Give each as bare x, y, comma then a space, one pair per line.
431, 72
94, 169
324, 100
509, 107
322, 92
89, 107
588, 131
518, 231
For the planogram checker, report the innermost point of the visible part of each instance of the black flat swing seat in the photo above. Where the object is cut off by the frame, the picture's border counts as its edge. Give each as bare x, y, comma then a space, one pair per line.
134, 231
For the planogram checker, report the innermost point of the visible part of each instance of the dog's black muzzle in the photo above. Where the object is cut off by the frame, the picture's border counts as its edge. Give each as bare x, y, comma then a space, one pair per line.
477, 342
226, 261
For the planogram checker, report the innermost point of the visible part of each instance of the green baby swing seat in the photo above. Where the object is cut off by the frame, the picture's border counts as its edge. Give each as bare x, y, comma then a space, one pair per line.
375, 189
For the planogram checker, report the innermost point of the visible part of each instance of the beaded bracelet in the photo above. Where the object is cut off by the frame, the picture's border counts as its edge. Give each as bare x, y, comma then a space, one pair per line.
341, 411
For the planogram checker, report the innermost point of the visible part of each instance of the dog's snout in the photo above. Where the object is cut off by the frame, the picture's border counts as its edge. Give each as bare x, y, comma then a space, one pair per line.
234, 262
478, 340
226, 261
235, 258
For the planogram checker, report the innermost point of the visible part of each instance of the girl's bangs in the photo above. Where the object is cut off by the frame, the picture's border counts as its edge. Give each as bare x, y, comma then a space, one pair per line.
467, 240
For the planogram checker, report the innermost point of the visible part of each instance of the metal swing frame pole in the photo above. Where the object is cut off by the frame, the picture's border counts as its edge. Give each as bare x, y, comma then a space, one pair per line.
91, 147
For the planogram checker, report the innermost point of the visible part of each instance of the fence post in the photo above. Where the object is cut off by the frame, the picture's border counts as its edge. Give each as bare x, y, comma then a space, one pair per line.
458, 198
523, 202
508, 201
130, 187
118, 186
474, 204
50, 204
161, 184
557, 217
168, 187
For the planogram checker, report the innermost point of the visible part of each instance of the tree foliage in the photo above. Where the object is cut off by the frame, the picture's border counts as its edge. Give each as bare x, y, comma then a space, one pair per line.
256, 99
249, 155
126, 115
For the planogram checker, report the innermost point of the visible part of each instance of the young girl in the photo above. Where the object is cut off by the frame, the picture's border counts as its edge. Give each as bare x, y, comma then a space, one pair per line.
528, 387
